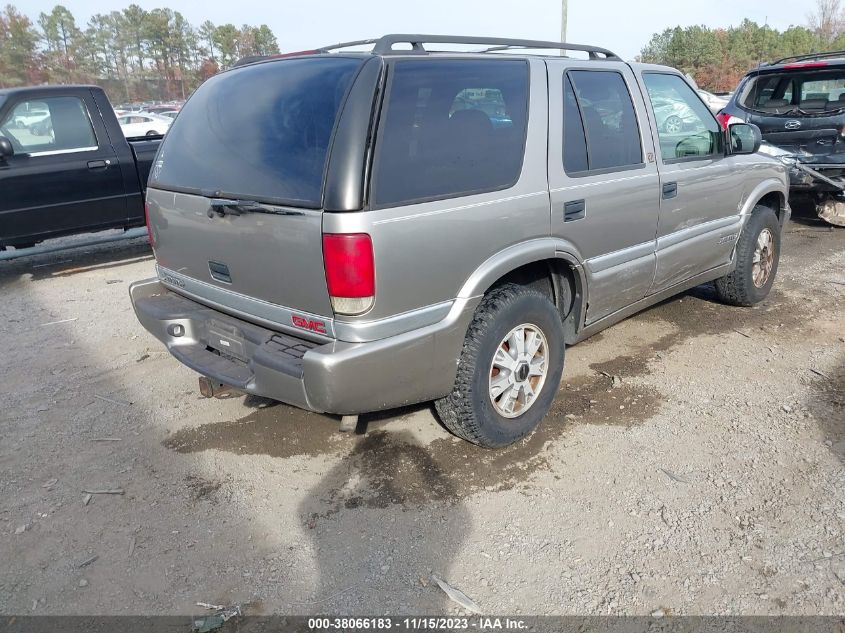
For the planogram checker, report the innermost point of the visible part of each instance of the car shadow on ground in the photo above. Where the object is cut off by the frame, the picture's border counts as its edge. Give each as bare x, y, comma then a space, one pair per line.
378, 519
75, 260
360, 551
827, 404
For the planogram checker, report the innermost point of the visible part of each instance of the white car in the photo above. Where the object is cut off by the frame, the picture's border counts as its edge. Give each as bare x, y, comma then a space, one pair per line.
26, 116
136, 124
714, 102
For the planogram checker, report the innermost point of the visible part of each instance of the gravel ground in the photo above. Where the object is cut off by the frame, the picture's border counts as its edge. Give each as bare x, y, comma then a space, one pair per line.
692, 463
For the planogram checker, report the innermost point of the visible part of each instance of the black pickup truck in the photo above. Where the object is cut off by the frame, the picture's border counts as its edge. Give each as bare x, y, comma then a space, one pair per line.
65, 165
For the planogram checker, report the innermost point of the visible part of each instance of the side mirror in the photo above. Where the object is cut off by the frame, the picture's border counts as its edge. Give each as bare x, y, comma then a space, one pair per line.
745, 138
6, 148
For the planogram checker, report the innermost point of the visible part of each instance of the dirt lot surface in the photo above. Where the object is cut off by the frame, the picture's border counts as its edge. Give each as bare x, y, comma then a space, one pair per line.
693, 463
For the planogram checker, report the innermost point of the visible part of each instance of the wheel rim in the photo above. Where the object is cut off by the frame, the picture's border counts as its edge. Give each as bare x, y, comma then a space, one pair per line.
764, 258
673, 125
518, 371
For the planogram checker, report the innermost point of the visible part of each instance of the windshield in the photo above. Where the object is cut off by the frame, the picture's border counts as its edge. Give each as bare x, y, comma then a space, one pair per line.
259, 132
808, 92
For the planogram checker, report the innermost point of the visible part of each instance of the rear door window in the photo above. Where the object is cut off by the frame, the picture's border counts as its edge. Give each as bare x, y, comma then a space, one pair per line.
449, 128
685, 126
597, 105
258, 132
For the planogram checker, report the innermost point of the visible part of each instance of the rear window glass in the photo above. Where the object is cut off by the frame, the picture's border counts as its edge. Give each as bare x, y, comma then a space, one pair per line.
450, 128
260, 132
781, 93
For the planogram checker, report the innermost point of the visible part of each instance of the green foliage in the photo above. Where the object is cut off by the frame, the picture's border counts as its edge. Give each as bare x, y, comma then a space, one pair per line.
718, 58
64, 43
18, 48
227, 40
134, 53
265, 41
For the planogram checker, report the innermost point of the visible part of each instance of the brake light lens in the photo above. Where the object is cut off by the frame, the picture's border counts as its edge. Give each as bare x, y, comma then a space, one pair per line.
723, 118
805, 65
147, 222
350, 271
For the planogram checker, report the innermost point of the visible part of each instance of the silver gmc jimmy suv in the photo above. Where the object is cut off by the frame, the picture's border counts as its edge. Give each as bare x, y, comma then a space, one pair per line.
354, 231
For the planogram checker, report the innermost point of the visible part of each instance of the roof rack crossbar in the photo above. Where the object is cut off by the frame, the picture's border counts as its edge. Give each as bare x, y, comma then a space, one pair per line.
592, 52
385, 44
808, 56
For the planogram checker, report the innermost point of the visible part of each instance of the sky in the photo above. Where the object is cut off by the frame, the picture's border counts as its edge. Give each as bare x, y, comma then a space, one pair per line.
622, 26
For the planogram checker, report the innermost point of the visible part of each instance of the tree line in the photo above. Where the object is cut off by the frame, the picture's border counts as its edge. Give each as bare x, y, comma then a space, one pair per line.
718, 58
134, 53
157, 54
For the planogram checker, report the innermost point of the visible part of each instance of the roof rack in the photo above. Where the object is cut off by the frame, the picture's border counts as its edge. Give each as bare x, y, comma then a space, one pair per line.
809, 56
384, 45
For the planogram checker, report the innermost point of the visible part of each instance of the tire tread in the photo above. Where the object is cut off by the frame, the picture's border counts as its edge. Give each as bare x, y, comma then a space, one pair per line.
736, 287
456, 410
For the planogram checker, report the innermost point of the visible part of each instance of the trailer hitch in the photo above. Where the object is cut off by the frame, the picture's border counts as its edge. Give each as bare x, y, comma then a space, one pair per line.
213, 389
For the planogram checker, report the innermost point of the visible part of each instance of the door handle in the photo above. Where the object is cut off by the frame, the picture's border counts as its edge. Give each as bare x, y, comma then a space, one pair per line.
670, 190
97, 164
574, 210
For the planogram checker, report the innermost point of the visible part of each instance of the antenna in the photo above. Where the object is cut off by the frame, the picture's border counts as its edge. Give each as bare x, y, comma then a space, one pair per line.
756, 94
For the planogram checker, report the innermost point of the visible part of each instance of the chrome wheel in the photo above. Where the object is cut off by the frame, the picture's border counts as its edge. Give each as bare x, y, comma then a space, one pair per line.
764, 258
518, 370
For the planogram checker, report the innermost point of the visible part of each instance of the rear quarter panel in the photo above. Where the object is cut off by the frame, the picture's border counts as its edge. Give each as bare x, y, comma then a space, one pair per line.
134, 161
424, 253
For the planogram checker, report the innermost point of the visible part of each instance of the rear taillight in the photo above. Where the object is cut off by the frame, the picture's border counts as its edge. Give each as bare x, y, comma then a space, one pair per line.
147, 222
350, 271
723, 118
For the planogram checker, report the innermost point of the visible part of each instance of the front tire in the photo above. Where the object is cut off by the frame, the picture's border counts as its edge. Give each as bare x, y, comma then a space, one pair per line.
509, 370
757, 257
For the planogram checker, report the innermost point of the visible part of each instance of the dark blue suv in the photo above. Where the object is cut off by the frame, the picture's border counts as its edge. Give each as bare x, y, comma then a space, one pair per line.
799, 105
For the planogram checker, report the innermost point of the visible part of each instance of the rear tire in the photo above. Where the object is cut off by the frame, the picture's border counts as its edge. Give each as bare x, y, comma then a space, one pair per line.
757, 257
491, 405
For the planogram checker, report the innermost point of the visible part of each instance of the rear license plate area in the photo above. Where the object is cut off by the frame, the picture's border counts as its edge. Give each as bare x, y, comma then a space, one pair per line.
226, 339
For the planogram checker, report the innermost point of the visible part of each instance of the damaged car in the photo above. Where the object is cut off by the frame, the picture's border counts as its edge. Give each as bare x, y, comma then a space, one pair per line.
799, 105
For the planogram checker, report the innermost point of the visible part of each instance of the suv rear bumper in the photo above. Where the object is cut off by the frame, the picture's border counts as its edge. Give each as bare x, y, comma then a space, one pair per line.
335, 377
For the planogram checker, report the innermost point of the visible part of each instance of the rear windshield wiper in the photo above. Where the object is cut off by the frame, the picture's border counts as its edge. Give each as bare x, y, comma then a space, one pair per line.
797, 111
227, 206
